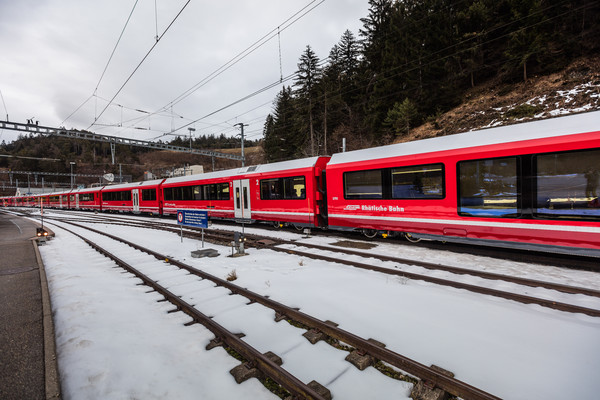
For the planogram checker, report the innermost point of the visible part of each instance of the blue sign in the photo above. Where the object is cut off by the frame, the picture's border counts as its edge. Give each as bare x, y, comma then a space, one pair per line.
195, 218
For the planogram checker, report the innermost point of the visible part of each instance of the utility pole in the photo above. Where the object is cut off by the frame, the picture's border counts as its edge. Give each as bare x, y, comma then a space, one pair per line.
191, 130
242, 129
72, 163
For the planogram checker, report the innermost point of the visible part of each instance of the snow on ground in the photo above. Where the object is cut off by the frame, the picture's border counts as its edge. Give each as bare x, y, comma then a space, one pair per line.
114, 341
124, 345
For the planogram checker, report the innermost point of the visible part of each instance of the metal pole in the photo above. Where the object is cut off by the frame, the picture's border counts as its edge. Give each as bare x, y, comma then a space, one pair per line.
191, 130
242, 134
72, 163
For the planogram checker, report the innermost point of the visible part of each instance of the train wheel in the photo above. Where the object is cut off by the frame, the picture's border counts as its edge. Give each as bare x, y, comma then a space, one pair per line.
411, 239
370, 233
298, 227
277, 224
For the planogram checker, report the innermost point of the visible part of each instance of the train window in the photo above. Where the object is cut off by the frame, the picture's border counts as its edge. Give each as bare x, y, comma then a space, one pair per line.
489, 188
148, 194
222, 191
216, 191
294, 187
86, 197
270, 189
418, 182
288, 188
568, 185
124, 195
197, 192
245, 189
363, 184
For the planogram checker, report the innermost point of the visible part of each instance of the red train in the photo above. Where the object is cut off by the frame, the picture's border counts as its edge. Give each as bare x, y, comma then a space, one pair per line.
533, 185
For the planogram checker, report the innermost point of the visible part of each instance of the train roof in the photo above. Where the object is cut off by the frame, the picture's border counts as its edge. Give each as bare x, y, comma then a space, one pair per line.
133, 185
551, 127
85, 190
261, 168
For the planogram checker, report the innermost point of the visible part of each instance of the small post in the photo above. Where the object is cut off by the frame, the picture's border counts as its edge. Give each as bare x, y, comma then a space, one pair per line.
202, 237
181, 232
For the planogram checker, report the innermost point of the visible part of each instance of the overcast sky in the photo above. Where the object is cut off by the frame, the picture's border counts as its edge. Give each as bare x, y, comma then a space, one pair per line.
55, 51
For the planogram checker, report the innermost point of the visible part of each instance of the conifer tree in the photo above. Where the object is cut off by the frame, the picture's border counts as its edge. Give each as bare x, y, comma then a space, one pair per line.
308, 75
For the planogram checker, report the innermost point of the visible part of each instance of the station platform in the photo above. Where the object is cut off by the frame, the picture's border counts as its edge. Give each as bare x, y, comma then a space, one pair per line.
28, 368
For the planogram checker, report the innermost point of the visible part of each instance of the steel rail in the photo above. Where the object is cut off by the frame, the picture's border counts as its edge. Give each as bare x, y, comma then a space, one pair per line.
461, 271
427, 265
449, 384
262, 362
445, 282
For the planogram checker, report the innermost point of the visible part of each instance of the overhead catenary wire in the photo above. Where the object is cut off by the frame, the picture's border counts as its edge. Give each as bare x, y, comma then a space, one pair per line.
407, 67
398, 70
140, 63
106, 66
275, 32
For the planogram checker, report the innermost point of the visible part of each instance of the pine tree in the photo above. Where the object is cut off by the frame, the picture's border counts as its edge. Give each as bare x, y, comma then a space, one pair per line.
528, 43
401, 116
282, 139
308, 75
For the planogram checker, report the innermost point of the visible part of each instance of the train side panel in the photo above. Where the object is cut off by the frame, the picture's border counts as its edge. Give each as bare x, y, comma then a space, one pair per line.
205, 192
538, 193
288, 192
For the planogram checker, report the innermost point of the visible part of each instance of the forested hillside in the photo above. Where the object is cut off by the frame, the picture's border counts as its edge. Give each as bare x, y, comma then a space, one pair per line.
414, 60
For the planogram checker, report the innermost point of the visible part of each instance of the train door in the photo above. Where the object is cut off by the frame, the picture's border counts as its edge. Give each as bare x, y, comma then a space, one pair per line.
77, 201
135, 196
241, 199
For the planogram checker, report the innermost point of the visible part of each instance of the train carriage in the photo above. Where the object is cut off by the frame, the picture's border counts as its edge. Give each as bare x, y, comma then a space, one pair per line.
287, 192
532, 185
119, 198
54, 200
210, 192
284, 192
65, 200
147, 197
85, 199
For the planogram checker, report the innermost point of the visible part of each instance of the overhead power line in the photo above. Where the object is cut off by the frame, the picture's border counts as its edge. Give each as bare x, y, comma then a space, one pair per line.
140, 63
105, 67
273, 33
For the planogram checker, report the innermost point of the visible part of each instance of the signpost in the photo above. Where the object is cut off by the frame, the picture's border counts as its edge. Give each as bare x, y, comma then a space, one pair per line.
196, 218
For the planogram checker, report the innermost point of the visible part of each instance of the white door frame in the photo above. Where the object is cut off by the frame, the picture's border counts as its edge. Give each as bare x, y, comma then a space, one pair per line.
135, 196
241, 199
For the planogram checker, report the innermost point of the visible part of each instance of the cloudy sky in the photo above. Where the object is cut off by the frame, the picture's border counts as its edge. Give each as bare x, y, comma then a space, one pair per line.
214, 54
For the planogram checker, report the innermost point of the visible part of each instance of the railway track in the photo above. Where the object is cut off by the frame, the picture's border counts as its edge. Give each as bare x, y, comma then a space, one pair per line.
333, 254
364, 348
340, 256
560, 260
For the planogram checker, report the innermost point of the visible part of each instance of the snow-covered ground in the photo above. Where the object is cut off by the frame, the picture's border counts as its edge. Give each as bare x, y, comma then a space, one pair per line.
115, 341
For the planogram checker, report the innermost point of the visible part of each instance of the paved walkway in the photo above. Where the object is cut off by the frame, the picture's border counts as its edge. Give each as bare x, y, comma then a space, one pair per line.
27, 355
